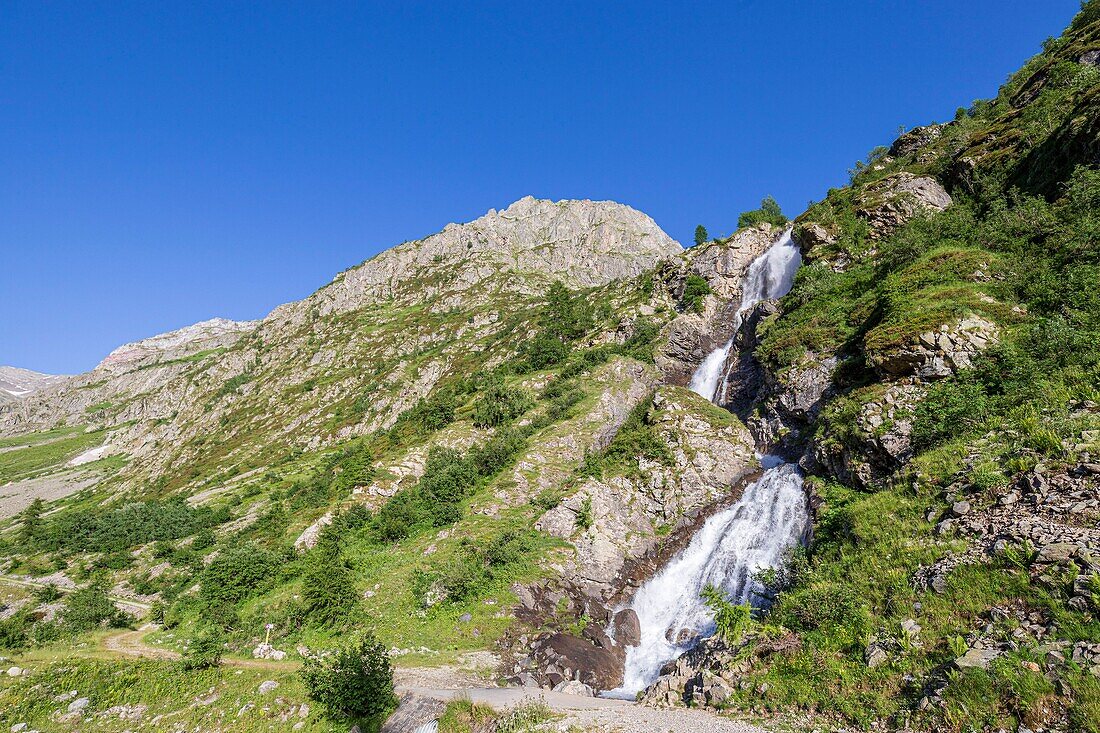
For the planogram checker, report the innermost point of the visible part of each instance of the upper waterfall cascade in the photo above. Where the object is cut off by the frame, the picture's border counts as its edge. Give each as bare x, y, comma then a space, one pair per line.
754, 534
769, 276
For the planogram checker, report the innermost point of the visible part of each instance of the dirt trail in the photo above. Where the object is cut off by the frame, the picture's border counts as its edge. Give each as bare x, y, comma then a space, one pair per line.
131, 643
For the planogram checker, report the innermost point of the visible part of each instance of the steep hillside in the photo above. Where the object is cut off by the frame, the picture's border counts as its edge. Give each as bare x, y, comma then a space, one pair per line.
439, 434
351, 357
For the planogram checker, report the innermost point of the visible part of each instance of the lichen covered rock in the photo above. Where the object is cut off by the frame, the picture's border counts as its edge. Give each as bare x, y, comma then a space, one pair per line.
892, 201
939, 353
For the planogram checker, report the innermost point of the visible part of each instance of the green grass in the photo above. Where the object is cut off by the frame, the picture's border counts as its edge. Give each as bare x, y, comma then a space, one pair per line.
40, 454
868, 546
164, 687
39, 438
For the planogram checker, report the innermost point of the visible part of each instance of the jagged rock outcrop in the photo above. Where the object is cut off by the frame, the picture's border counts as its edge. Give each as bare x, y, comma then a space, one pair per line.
711, 453
790, 401
915, 140
723, 263
744, 375
582, 243
818, 244
707, 675
864, 449
940, 353
888, 203
212, 334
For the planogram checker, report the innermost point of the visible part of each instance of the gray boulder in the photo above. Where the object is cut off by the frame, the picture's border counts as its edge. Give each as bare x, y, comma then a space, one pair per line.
889, 203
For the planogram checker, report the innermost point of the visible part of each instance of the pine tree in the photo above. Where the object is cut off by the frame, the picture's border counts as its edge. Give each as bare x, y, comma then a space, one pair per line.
328, 586
32, 520
701, 234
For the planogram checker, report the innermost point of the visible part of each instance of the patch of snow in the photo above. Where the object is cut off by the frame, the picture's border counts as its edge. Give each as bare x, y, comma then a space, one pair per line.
94, 454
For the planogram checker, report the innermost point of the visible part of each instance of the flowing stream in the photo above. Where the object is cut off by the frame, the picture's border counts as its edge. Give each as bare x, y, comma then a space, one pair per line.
732, 545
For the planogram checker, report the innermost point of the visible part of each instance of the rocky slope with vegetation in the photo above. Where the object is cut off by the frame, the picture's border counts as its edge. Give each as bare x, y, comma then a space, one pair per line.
478, 444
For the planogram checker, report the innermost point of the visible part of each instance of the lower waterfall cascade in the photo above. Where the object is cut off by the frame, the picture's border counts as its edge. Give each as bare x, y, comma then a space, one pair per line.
753, 534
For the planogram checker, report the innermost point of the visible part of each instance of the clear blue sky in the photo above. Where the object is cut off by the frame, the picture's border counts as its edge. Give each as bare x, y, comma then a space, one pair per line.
163, 163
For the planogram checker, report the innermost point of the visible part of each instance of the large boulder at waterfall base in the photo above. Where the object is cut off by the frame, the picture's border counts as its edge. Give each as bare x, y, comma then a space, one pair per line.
628, 630
579, 659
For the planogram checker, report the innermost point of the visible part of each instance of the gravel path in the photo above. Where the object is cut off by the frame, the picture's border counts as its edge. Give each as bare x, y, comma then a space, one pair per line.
597, 714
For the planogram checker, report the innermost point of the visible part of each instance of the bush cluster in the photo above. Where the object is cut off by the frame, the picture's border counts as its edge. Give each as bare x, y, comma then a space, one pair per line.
354, 682
769, 212
450, 477
120, 527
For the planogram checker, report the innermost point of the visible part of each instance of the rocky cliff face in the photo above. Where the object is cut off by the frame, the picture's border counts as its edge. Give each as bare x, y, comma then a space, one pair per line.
179, 344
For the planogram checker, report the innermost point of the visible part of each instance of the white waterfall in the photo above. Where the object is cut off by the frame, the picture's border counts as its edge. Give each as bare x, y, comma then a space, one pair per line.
732, 545
753, 534
769, 276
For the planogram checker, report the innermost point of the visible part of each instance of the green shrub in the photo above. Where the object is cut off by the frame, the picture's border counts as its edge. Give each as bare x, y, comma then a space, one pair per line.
584, 514
354, 467
204, 540
544, 351
566, 315
15, 631
479, 567
90, 607
435, 412
731, 620
328, 586
31, 521
355, 682
636, 438
205, 649
113, 529
951, 408
695, 290
237, 573
641, 341
397, 518
499, 404
498, 451
769, 212
47, 593
821, 606
530, 716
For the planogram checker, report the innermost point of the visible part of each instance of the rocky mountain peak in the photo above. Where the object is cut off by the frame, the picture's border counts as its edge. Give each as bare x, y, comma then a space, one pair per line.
583, 243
